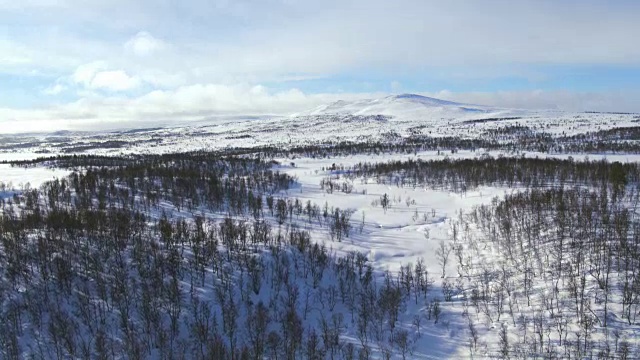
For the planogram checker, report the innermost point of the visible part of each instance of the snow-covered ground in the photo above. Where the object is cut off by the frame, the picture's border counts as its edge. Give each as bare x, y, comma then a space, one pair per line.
410, 229
18, 177
392, 237
418, 219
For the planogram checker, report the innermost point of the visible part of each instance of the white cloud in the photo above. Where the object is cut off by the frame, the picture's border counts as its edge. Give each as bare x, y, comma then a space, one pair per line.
85, 73
95, 76
116, 80
143, 44
55, 89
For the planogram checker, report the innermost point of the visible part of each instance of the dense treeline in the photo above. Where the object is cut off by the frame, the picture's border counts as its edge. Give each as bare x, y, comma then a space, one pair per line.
486, 120
619, 133
205, 157
466, 174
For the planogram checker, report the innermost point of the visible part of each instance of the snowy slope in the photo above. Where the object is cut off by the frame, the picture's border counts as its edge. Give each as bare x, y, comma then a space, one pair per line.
400, 106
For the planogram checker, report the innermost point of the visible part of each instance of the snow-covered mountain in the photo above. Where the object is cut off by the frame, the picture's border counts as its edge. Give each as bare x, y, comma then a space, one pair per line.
404, 105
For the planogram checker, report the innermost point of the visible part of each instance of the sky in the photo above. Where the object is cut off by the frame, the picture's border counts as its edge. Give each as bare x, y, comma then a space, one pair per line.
73, 63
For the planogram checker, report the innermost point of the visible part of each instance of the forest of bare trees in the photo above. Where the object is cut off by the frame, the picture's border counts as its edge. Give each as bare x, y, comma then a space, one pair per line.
207, 256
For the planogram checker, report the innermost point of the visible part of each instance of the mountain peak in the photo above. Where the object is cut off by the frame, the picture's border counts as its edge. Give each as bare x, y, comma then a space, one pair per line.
410, 96
397, 106
422, 100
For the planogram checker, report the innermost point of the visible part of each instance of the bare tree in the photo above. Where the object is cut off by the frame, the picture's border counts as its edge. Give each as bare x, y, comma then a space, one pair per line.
442, 254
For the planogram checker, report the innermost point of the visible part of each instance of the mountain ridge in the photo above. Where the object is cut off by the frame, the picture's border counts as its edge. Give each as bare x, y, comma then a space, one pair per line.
399, 105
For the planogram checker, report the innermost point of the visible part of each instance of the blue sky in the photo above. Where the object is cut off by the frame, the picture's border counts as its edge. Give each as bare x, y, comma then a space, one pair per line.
65, 62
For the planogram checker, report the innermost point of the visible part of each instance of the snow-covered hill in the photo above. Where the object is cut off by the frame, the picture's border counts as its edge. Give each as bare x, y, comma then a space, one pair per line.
399, 106
371, 120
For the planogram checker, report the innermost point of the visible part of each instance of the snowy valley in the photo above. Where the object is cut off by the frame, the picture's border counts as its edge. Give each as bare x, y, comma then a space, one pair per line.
402, 227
